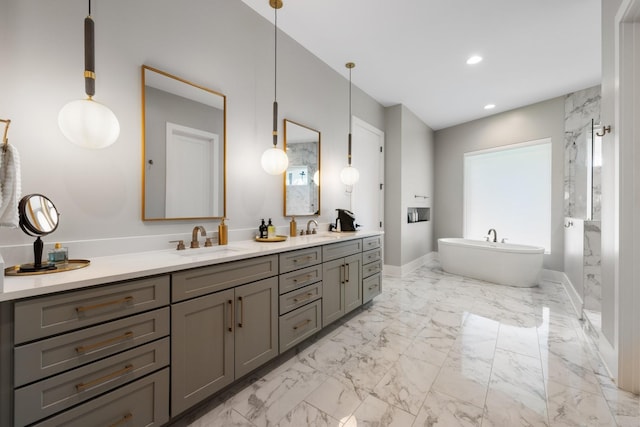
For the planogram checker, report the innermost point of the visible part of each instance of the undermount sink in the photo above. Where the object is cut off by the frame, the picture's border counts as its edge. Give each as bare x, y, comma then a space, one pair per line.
205, 250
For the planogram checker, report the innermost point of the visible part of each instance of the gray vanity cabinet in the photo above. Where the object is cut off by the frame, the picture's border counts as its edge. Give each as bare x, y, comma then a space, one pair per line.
371, 268
77, 354
341, 279
219, 337
256, 328
202, 351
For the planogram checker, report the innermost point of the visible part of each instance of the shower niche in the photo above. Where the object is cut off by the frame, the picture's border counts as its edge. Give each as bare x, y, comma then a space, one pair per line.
418, 215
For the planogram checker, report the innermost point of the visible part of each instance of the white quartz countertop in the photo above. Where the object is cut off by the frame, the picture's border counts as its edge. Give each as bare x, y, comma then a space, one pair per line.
115, 268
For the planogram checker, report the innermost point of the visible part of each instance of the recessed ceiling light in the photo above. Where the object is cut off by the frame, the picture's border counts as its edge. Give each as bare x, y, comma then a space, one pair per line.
490, 106
474, 59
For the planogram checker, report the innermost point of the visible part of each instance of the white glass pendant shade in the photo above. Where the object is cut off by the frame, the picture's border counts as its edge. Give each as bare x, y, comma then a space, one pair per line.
89, 124
349, 175
274, 161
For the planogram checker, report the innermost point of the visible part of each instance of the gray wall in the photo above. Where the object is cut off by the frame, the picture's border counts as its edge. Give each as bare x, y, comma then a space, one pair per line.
221, 44
409, 172
537, 121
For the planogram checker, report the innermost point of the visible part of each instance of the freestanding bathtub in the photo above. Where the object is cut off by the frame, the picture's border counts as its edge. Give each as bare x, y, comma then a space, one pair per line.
502, 263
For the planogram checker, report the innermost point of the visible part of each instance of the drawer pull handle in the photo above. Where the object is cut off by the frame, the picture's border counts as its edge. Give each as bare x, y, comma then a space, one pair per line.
122, 420
307, 277
230, 315
348, 273
303, 259
89, 347
373, 287
301, 324
84, 386
124, 300
241, 312
305, 298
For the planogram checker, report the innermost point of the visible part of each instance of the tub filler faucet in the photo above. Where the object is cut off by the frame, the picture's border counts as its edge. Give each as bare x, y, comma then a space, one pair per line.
495, 235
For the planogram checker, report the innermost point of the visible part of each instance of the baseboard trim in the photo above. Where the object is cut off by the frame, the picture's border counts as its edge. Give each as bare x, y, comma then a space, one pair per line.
400, 271
561, 278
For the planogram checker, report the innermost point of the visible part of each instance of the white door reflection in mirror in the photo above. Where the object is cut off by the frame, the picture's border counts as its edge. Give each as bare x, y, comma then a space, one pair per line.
190, 156
196, 163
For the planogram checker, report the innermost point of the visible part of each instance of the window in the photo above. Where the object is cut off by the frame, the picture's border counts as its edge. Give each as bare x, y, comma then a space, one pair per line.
509, 189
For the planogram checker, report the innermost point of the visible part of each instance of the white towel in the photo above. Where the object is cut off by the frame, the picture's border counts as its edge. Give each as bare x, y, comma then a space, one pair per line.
10, 186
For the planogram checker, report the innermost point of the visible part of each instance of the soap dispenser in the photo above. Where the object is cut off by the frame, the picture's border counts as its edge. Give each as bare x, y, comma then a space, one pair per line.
271, 230
222, 233
293, 227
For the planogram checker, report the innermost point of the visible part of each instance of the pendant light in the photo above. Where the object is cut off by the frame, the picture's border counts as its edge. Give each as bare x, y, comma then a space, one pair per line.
274, 160
349, 174
86, 122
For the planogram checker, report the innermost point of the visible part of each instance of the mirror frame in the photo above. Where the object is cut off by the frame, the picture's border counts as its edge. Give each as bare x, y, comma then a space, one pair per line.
284, 175
144, 215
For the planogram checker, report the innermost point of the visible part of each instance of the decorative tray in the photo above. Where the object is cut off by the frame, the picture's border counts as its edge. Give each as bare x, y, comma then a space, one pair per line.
278, 238
72, 264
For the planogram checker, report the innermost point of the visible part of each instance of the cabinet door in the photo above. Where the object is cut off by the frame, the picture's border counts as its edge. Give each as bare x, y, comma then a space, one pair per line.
256, 329
353, 282
202, 331
332, 291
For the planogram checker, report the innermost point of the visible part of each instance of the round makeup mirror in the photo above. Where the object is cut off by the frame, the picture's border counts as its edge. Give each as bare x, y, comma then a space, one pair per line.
38, 217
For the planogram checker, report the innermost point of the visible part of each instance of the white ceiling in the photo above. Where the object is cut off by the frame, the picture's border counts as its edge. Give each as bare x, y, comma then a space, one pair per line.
413, 52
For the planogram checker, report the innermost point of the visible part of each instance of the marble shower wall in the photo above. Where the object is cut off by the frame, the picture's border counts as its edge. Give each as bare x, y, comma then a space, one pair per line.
592, 282
581, 108
303, 199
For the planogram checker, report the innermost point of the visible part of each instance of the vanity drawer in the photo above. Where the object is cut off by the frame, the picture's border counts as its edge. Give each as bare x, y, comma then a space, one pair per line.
371, 269
141, 403
60, 392
342, 249
371, 287
373, 242
300, 324
371, 256
295, 299
294, 260
205, 280
51, 356
296, 279
50, 315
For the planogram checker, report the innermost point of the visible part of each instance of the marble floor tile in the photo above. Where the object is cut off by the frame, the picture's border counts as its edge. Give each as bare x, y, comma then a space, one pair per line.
519, 340
407, 383
440, 410
572, 407
226, 418
265, 402
435, 349
335, 397
520, 378
376, 413
465, 378
306, 415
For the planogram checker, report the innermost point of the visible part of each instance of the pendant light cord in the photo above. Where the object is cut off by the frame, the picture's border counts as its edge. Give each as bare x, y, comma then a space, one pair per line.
350, 100
275, 79
89, 7
275, 56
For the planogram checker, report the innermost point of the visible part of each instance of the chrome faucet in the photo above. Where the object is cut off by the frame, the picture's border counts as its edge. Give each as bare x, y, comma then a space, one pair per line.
495, 235
194, 236
309, 226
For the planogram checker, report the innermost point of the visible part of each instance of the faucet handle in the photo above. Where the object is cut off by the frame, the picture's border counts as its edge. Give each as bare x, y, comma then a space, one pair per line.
208, 242
504, 240
180, 244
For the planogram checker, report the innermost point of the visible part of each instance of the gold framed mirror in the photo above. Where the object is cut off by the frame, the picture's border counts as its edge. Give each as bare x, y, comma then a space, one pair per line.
302, 177
183, 149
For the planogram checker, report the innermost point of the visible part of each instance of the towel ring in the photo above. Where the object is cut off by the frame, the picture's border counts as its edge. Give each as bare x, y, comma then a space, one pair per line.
5, 141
